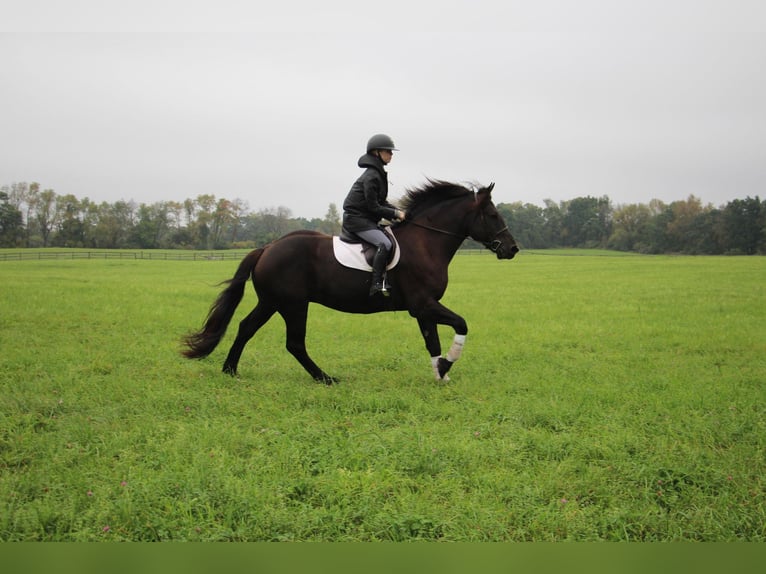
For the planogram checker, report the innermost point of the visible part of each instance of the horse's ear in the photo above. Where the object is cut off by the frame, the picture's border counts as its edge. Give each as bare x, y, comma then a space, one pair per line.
485, 193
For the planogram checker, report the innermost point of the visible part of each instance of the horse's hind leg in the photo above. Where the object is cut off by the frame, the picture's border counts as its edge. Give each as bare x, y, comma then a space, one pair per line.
295, 317
247, 328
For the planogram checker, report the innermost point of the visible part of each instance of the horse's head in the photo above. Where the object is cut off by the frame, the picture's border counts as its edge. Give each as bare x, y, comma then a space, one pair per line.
457, 211
488, 227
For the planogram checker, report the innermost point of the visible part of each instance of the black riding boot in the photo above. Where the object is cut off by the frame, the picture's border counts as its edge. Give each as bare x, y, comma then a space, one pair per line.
379, 271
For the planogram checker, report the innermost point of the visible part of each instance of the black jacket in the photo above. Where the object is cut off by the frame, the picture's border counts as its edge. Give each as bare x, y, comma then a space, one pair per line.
366, 202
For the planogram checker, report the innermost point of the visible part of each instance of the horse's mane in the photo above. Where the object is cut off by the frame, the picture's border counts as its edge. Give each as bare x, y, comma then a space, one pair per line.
434, 191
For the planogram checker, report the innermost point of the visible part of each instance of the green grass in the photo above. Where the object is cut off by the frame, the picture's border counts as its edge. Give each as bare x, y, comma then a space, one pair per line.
598, 398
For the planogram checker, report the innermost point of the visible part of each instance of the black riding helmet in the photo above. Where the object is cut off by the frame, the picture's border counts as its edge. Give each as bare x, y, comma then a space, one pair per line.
380, 141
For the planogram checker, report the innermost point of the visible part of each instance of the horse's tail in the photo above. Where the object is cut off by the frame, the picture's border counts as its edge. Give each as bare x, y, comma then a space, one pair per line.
203, 342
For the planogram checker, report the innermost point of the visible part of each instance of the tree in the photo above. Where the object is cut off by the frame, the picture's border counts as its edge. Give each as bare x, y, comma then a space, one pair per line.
175, 214
18, 195
30, 198
90, 215
115, 222
46, 214
11, 227
238, 209
743, 222
685, 233
222, 220
586, 222
269, 224
527, 224
71, 228
554, 223
656, 232
629, 226
151, 227
276, 222
331, 223
201, 227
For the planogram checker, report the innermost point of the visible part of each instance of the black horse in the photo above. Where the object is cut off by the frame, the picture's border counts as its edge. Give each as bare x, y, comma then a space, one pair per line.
300, 268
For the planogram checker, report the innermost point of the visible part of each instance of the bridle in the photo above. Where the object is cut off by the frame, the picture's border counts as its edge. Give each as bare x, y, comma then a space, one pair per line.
493, 244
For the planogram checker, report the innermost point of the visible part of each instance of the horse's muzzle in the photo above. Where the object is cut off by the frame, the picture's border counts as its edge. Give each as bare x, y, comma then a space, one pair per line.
504, 249
504, 252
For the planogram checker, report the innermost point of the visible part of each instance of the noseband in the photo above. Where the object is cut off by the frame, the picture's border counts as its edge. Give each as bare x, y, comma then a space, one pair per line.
495, 244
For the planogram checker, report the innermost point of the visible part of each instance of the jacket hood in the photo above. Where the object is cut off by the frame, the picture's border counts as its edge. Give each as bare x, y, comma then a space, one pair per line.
369, 160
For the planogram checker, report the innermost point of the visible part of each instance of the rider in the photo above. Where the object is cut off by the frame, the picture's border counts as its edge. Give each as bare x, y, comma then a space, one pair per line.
366, 204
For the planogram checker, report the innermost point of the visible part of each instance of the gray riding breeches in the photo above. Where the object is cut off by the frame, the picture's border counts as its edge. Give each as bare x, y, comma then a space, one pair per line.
376, 237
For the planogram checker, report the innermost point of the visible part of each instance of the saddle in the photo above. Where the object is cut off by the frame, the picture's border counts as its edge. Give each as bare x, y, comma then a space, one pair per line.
351, 251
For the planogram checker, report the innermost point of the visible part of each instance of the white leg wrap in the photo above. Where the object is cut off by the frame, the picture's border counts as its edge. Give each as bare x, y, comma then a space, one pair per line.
435, 365
456, 349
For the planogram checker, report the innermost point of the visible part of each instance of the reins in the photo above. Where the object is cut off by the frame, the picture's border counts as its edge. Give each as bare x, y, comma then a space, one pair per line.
493, 245
437, 230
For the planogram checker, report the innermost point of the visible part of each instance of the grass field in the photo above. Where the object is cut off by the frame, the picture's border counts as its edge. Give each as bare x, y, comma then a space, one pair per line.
599, 397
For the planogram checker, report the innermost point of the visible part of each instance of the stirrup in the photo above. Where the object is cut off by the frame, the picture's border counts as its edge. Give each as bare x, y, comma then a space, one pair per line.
381, 287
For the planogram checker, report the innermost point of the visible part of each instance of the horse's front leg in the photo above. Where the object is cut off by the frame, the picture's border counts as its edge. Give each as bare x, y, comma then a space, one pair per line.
430, 334
431, 316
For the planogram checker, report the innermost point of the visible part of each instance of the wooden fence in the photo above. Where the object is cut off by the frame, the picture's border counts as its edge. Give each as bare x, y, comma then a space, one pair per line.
170, 255
34, 255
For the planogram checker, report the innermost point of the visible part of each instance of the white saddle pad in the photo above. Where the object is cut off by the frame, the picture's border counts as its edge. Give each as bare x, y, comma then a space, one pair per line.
351, 254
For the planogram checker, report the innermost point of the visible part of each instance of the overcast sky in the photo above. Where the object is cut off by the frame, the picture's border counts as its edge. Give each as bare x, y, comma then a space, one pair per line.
273, 102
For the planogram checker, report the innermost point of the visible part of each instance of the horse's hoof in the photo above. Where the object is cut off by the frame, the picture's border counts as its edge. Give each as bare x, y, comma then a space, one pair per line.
327, 380
443, 367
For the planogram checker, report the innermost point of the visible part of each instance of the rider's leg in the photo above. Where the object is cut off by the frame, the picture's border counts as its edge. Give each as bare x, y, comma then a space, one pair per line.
383, 244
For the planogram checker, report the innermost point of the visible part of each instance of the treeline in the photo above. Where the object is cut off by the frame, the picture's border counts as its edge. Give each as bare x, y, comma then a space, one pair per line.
31, 217
35, 217
685, 226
